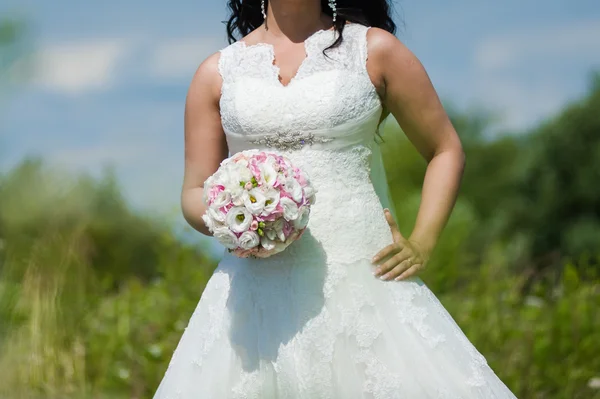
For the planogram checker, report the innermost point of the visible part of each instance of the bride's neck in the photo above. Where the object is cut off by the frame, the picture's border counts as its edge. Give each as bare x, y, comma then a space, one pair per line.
295, 19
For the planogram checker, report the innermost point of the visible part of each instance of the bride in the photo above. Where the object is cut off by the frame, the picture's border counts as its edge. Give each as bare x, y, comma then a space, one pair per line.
341, 313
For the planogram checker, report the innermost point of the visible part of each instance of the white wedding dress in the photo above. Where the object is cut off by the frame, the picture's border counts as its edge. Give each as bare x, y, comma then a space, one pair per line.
313, 322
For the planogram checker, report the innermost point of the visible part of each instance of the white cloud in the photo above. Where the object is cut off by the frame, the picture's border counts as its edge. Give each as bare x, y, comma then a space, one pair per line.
529, 75
581, 40
521, 104
79, 66
179, 58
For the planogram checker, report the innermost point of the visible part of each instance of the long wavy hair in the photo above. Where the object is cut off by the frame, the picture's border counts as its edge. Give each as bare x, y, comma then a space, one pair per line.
246, 15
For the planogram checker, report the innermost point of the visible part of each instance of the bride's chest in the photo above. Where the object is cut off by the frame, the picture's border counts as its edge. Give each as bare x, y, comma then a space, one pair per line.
331, 86
321, 100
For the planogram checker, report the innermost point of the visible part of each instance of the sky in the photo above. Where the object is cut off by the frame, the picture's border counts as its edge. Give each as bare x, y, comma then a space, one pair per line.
110, 78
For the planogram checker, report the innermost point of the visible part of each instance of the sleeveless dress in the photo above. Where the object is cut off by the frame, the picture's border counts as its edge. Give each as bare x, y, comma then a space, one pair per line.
313, 322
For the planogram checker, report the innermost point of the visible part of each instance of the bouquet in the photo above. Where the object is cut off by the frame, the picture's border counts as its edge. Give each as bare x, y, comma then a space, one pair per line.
258, 203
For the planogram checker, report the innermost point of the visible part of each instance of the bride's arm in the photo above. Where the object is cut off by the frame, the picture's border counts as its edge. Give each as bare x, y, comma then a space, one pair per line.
408, 94
205, 145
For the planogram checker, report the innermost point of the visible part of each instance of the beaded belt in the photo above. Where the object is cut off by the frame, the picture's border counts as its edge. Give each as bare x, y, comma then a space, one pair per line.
290, 140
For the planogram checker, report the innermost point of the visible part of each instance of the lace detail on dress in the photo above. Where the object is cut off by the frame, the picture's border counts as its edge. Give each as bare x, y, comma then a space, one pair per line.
410, 312
479, 364
331, 89
413, 304
380, 383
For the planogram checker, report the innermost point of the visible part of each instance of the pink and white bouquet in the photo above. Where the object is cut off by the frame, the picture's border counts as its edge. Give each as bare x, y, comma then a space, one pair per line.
258, 203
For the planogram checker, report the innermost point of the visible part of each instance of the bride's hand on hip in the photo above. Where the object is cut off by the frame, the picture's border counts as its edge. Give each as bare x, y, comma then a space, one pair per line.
402, 259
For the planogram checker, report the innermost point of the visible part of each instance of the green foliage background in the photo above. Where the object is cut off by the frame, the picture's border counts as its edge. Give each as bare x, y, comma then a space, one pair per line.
94, 295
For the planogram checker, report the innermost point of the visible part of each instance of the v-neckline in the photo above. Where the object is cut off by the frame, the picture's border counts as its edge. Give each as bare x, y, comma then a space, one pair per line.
276, 69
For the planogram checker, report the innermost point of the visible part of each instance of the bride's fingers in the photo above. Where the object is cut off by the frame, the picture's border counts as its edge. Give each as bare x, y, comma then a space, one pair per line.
397, 271
392, 262
387, 251
409, 273
393, 226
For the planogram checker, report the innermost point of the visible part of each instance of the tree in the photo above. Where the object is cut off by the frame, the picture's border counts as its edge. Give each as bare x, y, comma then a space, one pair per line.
559, 207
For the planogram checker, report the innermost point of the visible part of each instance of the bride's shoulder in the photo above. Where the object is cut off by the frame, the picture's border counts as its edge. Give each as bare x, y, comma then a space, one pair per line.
207, 78
386, 50
213, 65
211, 71
209, 68
380, 41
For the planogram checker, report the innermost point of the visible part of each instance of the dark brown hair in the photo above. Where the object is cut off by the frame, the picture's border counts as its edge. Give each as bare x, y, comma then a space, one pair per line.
246, 15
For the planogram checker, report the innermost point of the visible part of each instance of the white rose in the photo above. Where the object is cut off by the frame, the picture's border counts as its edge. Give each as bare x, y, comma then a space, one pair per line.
226, 237
309, 193
230, 179
216, 214
267, 243
278, 229
222, 174
242, 162
242, 172
249, 240
226, 161
268, 174
208, 185
271, 201
222, 199
255, 201
208, 222
302, 220
239, 196
271, 233
239, 219
292, 186
290, 208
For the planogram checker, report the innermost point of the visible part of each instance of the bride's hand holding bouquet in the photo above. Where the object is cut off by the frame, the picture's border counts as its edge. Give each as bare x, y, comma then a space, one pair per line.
258, 203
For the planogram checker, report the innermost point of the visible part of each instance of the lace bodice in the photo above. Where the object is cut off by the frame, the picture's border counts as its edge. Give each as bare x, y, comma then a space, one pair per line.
327, 91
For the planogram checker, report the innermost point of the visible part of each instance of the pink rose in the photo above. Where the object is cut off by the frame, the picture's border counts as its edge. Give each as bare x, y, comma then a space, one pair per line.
261, 157
276, 214
301, 179
285, 194
214, 192
254, 169
283, 163
270, 218
254, 225
226, 208
248, 186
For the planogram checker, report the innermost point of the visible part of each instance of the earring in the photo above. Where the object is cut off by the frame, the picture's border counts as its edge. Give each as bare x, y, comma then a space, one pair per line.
263, 8
333, 6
